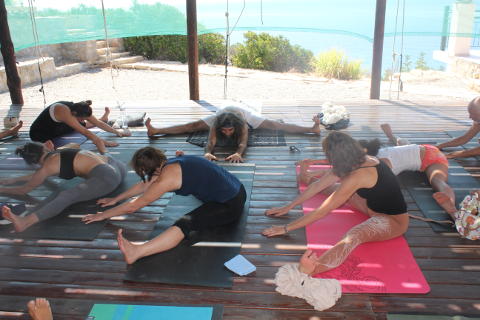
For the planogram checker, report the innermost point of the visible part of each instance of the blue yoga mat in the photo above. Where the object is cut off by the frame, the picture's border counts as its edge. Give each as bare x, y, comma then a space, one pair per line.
135, 312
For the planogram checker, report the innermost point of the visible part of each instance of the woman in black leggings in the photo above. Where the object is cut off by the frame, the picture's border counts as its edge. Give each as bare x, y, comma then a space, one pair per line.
102, 175
222, 194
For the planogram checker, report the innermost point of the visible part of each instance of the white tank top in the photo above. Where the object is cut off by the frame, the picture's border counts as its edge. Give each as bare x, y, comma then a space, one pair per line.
402, 157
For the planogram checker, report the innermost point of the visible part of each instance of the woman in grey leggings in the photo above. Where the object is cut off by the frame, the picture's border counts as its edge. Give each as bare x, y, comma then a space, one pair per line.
102, 175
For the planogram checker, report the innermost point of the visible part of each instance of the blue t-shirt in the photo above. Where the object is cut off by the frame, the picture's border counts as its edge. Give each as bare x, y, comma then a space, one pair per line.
205, 180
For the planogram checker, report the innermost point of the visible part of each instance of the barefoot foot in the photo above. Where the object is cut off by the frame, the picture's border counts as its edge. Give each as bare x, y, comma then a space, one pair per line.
445, 202
316, 126
104, 118
128, 249
19, 223
39, 309
14, 131
151, 131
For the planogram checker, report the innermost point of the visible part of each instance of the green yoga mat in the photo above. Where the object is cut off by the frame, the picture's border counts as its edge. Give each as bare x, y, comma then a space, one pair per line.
148, 312
417, 185
200, 264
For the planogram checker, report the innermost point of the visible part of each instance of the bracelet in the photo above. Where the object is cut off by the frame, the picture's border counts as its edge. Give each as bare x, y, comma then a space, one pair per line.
285, 228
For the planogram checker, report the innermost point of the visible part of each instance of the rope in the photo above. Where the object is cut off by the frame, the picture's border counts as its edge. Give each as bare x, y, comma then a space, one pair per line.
400, 82
112, 67
430, 220
227, 46
394, 54
37, 49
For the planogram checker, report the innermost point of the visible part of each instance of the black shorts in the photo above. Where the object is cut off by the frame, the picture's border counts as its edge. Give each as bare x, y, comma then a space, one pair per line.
213, 214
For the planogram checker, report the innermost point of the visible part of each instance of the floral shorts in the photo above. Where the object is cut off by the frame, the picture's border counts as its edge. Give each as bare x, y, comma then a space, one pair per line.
467, 219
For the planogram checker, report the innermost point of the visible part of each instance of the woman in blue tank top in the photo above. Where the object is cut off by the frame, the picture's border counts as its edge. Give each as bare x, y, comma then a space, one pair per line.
367, 184
222, 194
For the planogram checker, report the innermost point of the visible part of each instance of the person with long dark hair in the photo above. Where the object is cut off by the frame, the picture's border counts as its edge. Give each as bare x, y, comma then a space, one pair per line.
222, 194
363, 182
66, 117
102, 175
232, 123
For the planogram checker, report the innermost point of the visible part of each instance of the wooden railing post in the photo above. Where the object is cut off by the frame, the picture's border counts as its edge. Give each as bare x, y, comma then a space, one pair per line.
192, 42
14, 82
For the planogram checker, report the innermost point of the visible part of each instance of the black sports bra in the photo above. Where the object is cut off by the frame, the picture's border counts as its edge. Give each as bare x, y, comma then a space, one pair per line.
67, 156
385, 196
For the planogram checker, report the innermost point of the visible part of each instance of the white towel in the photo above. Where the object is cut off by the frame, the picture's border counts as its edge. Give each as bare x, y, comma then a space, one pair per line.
322, 294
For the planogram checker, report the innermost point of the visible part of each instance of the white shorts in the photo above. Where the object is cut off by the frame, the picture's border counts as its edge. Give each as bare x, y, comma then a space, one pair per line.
252, 118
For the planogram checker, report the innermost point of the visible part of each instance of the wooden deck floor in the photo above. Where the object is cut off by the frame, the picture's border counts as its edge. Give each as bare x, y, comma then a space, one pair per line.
74, 275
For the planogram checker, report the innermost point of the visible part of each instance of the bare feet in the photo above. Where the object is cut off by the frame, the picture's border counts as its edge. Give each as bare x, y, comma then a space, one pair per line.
14, 131
19, 223
445, 202
104, 118
388, 132
151, 131
39, 309
316, 126
128, 249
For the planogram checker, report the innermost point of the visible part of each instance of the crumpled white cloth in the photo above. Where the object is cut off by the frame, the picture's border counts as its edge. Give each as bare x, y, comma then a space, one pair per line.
322, 294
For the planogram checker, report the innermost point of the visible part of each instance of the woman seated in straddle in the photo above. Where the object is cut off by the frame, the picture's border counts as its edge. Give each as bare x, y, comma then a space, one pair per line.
230, 125
404, 156
222, 194
102, 175
65, 117
365, 183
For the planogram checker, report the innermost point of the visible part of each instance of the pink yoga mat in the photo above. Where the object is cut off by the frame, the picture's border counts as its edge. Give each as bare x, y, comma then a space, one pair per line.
375, 267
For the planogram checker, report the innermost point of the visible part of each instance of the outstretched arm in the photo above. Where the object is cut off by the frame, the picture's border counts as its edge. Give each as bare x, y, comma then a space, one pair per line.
324, 182
212, 141
35, 180
168, 180
242, 145
105, 127
347, 188
133, 191
464, 153
474, 129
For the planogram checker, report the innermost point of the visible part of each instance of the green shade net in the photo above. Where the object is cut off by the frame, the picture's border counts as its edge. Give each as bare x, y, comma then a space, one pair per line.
316, 25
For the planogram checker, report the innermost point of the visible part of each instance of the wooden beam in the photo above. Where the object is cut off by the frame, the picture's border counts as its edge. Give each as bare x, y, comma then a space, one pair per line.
14, 82
378, 49
192, 40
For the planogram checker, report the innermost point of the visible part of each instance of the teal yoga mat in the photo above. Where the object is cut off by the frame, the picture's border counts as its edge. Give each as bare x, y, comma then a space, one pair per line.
146, 312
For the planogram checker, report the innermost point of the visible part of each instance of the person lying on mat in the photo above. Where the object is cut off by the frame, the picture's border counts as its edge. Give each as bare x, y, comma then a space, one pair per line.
102, 175
222, 194
12, 132
402, 157
474, 114
231, 123
65, 117
365, 183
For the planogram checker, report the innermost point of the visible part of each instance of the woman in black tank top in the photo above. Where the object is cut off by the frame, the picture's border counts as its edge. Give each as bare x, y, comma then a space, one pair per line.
365, 183
64, 117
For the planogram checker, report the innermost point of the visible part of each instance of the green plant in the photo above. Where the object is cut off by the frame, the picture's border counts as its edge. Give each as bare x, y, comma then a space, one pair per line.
266, 52
211, 47
406, 63
334, 64
421, 63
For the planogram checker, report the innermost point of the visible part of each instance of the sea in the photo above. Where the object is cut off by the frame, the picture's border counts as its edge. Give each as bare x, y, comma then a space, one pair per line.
413, 28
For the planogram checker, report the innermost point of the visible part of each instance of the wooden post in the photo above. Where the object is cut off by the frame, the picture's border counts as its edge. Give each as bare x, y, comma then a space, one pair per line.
378, 49
192, 41
14, 82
